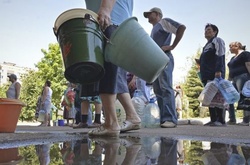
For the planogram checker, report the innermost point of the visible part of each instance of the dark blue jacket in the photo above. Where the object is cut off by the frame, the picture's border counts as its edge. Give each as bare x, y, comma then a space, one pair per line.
212, 59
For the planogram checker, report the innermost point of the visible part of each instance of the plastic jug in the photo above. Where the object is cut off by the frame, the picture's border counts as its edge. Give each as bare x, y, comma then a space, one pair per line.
152, 114
228, 91
41, 115
208, 93
152, 148
139, 104
120, 112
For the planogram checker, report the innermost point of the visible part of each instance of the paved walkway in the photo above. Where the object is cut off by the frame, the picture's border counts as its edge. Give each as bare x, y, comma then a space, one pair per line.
30, 133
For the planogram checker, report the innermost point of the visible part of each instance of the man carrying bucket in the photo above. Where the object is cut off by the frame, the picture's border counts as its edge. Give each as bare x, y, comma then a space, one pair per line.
163, 28
115, 12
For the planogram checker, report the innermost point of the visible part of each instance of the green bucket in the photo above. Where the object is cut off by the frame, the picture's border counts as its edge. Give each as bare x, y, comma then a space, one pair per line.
132, 49
81, 42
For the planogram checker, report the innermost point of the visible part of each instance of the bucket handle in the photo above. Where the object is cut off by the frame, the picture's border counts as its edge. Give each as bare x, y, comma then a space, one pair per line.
90, 16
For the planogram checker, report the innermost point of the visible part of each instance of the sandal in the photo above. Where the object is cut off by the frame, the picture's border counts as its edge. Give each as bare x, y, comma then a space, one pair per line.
129, 126
105, 141
130, 141
94, 125
101, 131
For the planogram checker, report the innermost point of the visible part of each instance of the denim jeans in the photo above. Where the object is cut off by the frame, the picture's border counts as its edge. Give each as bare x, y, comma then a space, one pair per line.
163, 89
141, 85
238, 82
169, 152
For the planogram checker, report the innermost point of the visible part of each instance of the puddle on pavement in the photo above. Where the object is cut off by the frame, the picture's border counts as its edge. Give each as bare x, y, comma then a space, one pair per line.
128, 151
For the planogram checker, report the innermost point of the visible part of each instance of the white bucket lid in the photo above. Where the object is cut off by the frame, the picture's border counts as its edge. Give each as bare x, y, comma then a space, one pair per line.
71, 14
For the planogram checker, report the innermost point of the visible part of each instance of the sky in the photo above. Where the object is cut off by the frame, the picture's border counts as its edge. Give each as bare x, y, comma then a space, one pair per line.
26, 26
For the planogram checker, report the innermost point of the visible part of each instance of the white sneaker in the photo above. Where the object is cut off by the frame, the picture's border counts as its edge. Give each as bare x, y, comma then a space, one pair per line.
243, 124
168, 124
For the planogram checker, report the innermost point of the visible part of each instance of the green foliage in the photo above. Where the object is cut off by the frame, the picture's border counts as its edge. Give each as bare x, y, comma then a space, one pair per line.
29, 93
30, 155
192, 87
193, 153
50, 67
3, 90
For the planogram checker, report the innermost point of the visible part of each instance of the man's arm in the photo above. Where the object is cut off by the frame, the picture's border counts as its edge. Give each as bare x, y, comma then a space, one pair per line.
248, 66
104, 18
179, 35
18, 88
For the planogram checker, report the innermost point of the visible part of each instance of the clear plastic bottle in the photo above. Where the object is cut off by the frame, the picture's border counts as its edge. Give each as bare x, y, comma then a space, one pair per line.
137, 93
139, 103
152, 114
120, 112
152, 148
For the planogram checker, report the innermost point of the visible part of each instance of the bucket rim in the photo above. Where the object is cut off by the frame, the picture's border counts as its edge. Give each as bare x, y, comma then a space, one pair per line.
71, 14
121, 26
8, 101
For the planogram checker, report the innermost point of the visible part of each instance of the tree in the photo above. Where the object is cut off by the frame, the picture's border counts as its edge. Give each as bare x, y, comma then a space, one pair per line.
193, 153
30, 91
193, 86
50, 67
3, 89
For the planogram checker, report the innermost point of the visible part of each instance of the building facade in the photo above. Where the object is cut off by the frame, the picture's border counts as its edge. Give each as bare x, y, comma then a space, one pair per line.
7, 68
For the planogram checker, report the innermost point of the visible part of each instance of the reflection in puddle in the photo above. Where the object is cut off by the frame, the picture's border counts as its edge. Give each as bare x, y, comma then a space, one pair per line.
130, 151
10, 156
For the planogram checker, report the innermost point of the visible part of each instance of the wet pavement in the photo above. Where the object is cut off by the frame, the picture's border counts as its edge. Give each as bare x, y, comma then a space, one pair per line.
190, 143
31, 134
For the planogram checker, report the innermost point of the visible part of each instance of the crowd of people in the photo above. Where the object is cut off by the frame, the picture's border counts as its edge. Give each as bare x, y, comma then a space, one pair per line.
212, 65
78, 98
114, 83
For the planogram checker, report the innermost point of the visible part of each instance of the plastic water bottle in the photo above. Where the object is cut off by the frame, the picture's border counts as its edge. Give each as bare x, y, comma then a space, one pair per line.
120, 112
152, 148
137, 93
152, 114
41, 116
139, 103
228, 91
139, 106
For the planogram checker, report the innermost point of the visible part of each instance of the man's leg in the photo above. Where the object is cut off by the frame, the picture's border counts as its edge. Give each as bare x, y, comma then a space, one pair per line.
164, 91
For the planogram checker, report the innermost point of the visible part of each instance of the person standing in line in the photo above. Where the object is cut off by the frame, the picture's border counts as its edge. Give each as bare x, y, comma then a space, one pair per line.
77, 104
232, 116
68, 104
46, 102
89, 94
162, 31
115, 12
14, 89
131, 84
43, 153
239, 69
178, 101
212, 65
142, 86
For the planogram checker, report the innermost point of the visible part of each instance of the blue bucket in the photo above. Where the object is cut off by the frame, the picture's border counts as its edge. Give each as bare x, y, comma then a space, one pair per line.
60, 122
